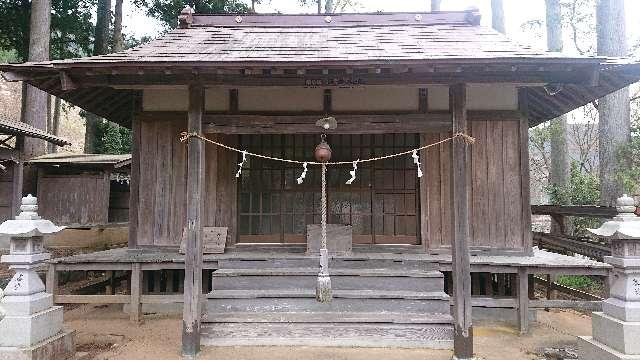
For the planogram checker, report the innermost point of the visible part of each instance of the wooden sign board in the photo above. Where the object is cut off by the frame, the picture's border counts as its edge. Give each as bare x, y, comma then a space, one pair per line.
213, 242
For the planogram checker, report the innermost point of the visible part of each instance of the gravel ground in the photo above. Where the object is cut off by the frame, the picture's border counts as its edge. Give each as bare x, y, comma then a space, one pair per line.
106, 333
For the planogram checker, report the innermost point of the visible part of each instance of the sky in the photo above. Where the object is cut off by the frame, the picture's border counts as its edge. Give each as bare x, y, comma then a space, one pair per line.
517, 12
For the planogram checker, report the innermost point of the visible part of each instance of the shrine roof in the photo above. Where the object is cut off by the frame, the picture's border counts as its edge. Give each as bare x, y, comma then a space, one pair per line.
14, 127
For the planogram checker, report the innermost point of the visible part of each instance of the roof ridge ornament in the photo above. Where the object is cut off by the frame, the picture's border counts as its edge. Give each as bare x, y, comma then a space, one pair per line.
185, 19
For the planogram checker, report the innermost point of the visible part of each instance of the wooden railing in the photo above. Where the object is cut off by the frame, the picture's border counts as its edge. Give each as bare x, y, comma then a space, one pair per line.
558, 240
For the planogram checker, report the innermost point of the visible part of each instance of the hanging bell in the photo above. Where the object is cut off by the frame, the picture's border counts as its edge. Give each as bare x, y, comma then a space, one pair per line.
323, 151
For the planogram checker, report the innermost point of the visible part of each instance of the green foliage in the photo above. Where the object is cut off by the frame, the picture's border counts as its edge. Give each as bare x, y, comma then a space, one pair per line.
579, 282
167, 11
582, 189
112, 138
71, 28
7, 56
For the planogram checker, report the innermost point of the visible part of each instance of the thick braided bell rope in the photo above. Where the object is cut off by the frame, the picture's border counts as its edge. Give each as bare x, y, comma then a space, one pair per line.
323, 209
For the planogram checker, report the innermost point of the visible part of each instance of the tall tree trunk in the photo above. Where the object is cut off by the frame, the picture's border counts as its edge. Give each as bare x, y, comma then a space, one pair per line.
328, 7
55, 124
435, 5
497, 16
319, 6
559, 172
100, 47
118, 40
614, 123
35, 110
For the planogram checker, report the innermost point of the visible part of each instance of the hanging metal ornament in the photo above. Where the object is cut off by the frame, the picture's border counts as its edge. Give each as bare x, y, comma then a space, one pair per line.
303, 175
416, 160
353, 173
241, 164
324, 293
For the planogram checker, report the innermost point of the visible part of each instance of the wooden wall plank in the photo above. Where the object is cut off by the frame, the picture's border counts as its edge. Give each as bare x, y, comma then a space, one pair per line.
445, 192
495, 182
433, 213
146, 200
178, 183
164, 173
480, 194
512, 186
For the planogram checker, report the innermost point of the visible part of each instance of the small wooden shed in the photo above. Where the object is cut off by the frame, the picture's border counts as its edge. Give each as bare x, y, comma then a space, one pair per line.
83, 190
12, 134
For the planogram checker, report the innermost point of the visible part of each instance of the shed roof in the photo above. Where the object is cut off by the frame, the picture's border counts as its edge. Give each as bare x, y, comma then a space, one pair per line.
237, 50
115, 161
14, 127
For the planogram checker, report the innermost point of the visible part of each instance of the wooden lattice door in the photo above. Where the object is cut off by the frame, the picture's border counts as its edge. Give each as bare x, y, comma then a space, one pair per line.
382, 205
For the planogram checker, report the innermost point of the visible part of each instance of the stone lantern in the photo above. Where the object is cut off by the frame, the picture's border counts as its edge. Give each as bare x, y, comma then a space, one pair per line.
31, 327
616, 330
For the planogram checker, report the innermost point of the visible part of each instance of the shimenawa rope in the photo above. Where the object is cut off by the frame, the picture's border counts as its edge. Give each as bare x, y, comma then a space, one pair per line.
185, 136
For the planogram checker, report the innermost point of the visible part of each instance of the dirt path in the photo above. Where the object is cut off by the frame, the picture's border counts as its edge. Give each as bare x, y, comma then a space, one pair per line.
106, 333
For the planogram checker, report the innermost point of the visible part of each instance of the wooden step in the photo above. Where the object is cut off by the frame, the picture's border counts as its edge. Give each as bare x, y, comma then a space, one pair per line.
341, 279
330, 317
432, 336
343, 294
221, 301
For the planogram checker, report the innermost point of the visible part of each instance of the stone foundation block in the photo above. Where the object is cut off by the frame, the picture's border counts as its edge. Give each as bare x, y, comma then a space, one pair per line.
625, 311
26, 305
24, 331
593, 350
619, 335
59, 347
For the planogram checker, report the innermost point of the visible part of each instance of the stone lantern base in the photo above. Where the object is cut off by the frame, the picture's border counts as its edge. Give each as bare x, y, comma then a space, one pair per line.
59, 347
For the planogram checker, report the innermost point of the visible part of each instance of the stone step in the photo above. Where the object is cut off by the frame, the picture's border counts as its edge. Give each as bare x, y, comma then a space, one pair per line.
330, 317
341, 279
220, 301
433, 336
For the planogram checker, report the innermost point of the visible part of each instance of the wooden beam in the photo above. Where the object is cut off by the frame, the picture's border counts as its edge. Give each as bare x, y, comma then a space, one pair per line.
461, 269
305, 124
193, 257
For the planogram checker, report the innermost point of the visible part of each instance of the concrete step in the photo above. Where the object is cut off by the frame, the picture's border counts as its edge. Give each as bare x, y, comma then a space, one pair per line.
433, 336
221, 301
330, 317
341, 279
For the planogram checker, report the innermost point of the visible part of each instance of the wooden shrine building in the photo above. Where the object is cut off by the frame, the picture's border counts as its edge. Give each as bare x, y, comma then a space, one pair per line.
393, 83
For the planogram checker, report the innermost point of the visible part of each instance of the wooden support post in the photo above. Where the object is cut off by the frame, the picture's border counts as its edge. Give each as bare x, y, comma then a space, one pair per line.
135, 313
461, 269
193, 257
111, 283
52, 281
523, 300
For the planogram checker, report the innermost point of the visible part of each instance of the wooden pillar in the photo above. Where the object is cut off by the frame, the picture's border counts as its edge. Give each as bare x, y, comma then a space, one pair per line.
135, 313
523, 300
461, 269
193, 257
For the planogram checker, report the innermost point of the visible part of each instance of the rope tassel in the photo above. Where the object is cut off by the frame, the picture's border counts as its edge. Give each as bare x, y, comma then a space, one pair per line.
353, 173
241, 164
416, 160
303, 175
